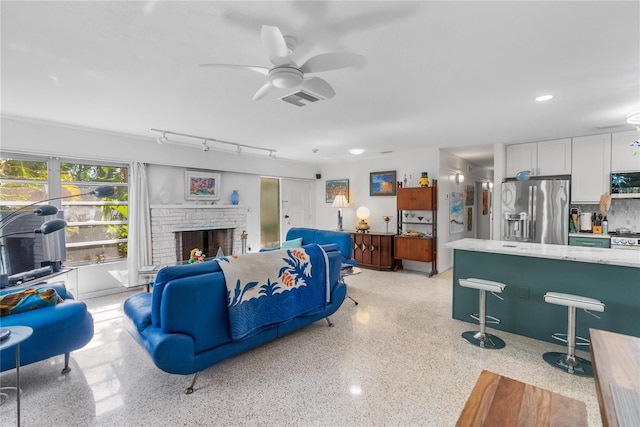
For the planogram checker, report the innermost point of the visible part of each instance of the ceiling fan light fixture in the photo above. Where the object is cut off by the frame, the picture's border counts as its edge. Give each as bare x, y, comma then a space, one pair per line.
285, 77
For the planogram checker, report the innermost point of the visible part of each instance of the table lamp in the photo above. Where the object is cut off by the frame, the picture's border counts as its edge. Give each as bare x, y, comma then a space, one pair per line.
363, 215
340, 202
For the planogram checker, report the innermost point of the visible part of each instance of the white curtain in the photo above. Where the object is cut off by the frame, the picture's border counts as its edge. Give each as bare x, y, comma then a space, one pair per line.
139, 252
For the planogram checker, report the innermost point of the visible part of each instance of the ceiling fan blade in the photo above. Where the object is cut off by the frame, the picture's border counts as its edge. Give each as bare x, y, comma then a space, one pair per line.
332, 61
261, 70
276, 45
319, 86
262, 91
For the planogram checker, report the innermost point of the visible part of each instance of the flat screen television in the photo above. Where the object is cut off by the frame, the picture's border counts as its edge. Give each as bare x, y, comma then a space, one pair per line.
24, 252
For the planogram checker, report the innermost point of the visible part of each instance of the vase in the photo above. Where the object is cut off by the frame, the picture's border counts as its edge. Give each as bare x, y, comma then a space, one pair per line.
235, 197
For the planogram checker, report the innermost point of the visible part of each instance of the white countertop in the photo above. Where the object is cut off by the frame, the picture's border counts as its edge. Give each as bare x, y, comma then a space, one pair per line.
626, 258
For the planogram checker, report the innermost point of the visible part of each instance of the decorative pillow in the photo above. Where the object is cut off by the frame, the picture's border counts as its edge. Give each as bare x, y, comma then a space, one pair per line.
28, 299
295, 243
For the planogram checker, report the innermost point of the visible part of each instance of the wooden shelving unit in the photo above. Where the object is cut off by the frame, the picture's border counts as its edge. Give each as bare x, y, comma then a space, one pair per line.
417, 225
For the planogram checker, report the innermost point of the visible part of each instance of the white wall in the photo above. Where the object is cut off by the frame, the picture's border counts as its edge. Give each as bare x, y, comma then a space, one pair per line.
357, 172
167, 164
44, 138
166, 186
449, 166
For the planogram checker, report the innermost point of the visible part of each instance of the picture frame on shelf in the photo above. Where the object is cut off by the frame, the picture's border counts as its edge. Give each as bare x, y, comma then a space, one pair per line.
334, 187
382, 183
202, 185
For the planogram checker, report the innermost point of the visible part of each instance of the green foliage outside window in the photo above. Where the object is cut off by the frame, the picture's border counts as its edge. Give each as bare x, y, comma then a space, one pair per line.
97, 228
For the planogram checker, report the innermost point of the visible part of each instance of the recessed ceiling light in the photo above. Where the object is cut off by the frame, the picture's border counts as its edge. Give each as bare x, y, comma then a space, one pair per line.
634, 118
544, 98
356, 151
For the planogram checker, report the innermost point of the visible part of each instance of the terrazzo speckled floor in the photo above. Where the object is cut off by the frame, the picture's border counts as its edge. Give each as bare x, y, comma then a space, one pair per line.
396, 359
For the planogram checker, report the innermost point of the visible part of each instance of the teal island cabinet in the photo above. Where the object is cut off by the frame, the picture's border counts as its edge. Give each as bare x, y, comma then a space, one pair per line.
531, 269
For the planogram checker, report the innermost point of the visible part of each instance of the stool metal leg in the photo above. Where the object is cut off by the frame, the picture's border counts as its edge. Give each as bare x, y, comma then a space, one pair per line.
481, 338
568, 361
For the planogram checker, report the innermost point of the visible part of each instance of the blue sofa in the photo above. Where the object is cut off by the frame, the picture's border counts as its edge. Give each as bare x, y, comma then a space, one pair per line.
57, 329
330, 240
183, 324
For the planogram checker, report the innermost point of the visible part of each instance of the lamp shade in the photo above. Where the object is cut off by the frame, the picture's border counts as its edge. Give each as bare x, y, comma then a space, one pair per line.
51, 226
46, 228
363, 213
45, 210
340, 201
104, 191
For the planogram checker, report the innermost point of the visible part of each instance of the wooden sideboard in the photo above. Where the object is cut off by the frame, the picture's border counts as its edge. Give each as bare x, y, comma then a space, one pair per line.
373, 250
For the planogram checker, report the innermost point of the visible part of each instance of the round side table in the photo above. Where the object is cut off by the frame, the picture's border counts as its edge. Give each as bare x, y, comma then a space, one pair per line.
18, 334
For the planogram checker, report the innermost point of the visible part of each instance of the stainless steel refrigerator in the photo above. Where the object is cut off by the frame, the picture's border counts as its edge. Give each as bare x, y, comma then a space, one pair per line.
536, 211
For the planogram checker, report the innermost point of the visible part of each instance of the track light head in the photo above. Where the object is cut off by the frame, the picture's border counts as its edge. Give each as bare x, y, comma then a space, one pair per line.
161, 140
239, 150
205, 147
272, 155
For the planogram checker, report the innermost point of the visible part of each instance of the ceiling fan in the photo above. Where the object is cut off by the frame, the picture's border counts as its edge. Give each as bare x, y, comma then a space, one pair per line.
286, 74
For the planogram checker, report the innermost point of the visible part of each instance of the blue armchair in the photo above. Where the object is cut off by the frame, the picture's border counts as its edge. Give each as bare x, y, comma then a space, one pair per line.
57, 329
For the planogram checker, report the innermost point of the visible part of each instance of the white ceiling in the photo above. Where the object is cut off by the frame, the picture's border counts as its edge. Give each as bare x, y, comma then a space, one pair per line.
439, 74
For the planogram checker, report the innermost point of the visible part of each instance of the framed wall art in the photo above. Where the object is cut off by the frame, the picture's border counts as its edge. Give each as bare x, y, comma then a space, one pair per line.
202, 185
456, 214
335, 187
382, 183
469, 195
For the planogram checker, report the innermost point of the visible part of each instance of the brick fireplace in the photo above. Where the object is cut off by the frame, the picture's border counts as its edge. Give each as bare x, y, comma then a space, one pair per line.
176, 228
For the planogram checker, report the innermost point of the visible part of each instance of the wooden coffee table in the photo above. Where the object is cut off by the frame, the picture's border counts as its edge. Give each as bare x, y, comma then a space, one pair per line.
500, 401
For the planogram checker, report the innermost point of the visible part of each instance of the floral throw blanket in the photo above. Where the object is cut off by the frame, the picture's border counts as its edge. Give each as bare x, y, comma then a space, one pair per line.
268, 288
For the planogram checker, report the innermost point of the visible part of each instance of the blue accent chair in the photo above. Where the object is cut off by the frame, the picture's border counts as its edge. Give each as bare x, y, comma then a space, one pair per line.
57, 329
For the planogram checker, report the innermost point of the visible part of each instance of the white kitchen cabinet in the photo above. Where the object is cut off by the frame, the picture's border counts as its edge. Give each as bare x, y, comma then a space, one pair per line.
521, 157
591, 168
554, 157
543, 158
623, 157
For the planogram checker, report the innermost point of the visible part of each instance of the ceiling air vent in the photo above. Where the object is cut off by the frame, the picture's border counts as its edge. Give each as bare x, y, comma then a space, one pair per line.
301, 97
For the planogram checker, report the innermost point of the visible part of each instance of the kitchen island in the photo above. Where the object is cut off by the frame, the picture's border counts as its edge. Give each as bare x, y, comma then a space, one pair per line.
531, 269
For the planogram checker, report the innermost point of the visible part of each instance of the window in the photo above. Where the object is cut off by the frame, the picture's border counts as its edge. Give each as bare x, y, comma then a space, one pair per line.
96, 228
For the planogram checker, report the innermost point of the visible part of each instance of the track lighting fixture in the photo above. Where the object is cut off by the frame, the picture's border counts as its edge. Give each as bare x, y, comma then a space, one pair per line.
239, 148
162, 139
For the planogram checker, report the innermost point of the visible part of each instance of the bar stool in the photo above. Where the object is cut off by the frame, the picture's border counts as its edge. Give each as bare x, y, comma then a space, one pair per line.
481, 338
568, 361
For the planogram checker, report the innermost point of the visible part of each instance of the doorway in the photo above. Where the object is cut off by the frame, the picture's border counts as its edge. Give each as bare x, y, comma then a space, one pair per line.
284, 203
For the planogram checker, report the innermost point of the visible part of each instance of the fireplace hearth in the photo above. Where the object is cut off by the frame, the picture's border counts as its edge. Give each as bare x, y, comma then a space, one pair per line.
177, 229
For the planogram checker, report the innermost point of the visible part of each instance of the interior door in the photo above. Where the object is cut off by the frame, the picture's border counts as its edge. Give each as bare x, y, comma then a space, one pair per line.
295, 205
